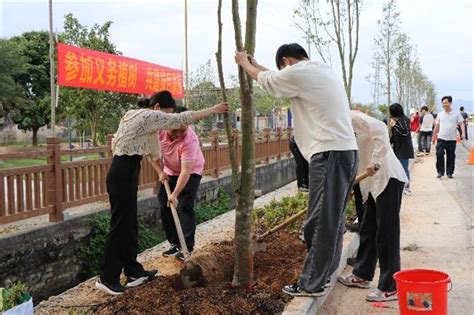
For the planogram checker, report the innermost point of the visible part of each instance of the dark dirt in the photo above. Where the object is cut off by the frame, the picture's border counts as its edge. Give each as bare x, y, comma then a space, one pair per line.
278, 265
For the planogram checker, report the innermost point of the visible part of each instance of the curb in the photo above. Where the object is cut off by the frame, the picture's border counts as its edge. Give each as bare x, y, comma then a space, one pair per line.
309, 305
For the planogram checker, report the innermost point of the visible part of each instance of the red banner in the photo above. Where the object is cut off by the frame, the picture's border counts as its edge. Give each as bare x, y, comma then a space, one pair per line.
90, 69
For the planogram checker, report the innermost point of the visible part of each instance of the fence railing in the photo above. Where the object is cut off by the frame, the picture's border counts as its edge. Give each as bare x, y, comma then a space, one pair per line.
27, 192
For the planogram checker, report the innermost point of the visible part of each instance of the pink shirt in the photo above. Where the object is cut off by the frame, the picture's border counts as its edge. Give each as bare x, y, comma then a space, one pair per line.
184, 149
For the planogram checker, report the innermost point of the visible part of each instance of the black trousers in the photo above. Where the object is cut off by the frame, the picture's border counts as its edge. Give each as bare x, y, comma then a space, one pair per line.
121, 244
425, 141
302, 166
185, 209
331, 178
450, 148
380, 237
359, 203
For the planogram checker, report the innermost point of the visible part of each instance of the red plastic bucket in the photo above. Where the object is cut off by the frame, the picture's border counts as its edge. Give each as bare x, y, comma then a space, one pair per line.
423, 291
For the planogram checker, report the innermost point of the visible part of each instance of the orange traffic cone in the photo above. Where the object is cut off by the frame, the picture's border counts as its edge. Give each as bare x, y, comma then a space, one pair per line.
470, 161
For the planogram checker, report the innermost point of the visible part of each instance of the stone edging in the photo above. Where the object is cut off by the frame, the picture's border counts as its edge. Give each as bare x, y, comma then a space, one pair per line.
308, 305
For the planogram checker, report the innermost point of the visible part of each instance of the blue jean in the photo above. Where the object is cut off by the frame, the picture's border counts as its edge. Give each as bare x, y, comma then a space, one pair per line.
406, 166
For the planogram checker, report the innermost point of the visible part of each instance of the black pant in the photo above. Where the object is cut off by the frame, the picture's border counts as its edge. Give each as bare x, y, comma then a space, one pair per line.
425, 141
380, 237
359, 203
185, 209
302, 166
121, 244
450, 148
332, 175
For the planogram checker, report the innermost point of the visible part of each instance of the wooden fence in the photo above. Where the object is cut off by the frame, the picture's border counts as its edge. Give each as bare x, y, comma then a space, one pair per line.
27, 192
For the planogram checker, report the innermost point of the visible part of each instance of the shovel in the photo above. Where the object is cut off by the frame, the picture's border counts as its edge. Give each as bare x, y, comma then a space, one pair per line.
191, 274
298, 215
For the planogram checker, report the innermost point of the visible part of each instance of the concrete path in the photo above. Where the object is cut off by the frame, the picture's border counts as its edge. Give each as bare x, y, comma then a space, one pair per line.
438, 219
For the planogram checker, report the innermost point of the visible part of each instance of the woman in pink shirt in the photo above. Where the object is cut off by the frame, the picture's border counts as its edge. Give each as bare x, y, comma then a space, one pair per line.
182, 164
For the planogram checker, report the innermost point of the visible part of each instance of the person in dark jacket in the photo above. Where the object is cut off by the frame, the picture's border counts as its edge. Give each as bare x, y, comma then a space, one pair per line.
400, 138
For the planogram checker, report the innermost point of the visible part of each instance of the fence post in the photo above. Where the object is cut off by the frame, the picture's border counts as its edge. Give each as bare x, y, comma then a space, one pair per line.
109, 145
266, 137
215, 148
55, 185
278, 139
288, 133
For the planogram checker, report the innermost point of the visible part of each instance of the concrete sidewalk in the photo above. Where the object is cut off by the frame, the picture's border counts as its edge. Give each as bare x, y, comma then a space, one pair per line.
435, 221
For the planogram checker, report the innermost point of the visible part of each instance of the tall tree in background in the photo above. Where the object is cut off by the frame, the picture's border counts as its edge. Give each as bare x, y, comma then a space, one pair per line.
243, 265
34, 112
333, 22
100, 110
387, 41
12, 65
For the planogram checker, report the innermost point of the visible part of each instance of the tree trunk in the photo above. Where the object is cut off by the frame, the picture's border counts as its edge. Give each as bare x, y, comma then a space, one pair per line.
228, 127
35, 136
243, 266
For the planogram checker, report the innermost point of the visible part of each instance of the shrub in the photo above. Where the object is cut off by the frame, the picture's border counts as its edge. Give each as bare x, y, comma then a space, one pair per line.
91, 253
206, 211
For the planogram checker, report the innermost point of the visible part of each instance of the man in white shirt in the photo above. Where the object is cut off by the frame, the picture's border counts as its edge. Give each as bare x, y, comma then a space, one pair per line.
446, 126
324, 134
426, 130
382, 193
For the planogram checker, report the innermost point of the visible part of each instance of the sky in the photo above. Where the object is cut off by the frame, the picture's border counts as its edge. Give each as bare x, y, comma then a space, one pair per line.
153, 30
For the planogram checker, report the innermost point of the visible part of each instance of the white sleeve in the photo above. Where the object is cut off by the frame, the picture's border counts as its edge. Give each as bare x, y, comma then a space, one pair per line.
379, 135
280, 84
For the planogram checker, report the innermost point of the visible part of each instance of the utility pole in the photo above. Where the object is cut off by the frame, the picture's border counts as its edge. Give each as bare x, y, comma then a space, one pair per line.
51, 61
186, 64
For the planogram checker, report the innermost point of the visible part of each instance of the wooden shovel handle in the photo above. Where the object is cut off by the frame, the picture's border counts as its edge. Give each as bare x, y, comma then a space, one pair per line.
177, 223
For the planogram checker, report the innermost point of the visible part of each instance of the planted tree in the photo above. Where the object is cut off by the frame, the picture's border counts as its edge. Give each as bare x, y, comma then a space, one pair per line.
243, 265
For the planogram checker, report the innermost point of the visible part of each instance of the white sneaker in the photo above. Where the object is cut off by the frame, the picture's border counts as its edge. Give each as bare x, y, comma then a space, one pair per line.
353, 281
380, 296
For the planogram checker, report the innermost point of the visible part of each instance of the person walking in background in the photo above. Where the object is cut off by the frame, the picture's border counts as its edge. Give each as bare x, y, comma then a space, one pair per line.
135, 139
445, 132
324, 134
415, 128
465, 116
181, 165
401, 140
380, 226
426, 130
302, 167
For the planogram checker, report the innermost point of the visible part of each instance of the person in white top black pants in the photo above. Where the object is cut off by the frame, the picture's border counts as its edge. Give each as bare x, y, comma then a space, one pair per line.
445, 131
324, 134
426, 130
382, 193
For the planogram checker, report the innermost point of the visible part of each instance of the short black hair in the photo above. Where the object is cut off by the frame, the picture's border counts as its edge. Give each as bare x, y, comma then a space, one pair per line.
396, 110
290, 50
461, 108
449, 98
144, 102
425, 108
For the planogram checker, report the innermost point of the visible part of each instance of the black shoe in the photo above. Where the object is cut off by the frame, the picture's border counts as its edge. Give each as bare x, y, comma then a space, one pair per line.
439, 175
145, 276
450, 176
353, 227
295, 290
351, 261
109, 288
172, 251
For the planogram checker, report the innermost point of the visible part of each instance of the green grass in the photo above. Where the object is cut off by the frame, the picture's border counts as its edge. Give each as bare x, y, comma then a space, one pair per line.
42, 161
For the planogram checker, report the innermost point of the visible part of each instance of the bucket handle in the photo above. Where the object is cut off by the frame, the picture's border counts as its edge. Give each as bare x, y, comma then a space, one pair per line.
450, 285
